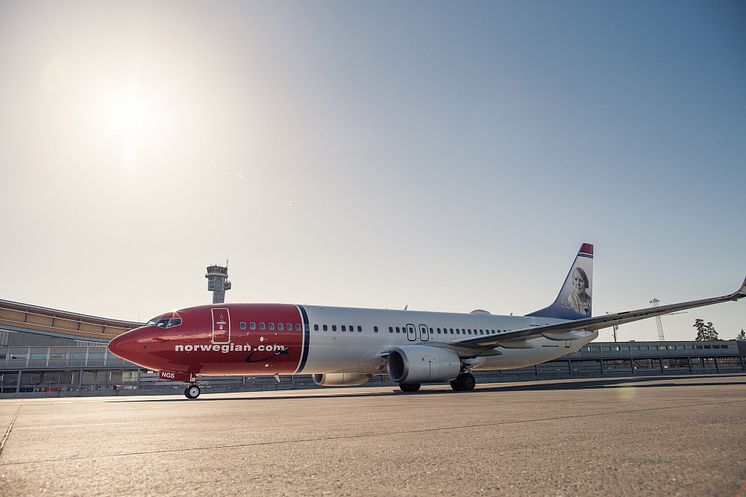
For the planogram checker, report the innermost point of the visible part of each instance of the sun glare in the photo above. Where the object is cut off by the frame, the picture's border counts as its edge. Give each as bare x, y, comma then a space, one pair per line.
132, 118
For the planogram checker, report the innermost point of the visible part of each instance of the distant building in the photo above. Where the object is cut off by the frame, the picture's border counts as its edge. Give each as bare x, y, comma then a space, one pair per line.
45, 349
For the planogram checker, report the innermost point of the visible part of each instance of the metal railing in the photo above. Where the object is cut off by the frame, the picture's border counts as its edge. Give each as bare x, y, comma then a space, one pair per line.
59, 357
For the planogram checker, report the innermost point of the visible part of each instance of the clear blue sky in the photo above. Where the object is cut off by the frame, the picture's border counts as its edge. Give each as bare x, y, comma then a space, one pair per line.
444, 155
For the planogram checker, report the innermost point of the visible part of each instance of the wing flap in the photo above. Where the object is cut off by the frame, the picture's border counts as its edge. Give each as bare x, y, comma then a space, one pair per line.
515, 344
561, 336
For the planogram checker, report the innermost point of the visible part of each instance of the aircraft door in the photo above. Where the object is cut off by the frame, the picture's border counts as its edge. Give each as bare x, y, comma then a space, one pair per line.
424, 333
221, 325
411, 333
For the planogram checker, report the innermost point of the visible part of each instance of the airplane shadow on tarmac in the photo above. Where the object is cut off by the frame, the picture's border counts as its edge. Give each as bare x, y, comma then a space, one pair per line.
626, 382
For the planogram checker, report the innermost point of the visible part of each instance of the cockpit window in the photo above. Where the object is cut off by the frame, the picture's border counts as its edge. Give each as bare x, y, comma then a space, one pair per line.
165, 322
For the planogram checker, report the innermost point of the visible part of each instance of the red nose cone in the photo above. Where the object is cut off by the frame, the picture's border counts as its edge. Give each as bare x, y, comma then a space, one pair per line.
124, 345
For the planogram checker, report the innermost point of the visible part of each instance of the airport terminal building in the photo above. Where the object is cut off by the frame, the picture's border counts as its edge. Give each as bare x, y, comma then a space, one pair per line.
53, 352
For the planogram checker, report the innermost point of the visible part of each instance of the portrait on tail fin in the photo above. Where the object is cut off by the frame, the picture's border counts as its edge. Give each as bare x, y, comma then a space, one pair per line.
579, 300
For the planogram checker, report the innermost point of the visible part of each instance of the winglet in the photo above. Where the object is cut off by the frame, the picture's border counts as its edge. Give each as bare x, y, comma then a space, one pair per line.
742, 291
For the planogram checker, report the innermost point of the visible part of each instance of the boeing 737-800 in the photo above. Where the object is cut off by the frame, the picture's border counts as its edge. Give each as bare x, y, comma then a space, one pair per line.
346, 346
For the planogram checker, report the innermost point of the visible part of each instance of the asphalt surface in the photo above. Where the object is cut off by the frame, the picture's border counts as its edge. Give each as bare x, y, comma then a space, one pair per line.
674, 436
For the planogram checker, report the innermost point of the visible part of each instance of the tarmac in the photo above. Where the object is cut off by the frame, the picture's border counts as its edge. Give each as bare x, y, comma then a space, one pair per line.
611, 436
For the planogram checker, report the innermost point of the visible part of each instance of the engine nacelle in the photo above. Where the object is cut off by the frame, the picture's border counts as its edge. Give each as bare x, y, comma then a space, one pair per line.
422, 364
340, 379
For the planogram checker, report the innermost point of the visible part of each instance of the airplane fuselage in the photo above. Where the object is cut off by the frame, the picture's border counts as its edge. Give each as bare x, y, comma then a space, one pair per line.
282, 339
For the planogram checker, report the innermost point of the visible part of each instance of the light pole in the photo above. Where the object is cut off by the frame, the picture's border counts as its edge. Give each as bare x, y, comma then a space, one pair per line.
658, 321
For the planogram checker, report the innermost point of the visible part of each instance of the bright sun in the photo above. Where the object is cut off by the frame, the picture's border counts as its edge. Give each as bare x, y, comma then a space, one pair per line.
131, 119
131, 115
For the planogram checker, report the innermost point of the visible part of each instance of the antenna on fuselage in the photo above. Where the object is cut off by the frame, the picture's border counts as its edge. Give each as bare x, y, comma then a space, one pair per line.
405, 307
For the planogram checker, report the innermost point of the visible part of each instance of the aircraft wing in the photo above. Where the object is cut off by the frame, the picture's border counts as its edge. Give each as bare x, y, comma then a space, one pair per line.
565, 329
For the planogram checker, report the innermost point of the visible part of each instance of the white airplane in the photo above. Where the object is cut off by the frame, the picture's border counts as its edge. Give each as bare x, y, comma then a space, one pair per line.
346, 346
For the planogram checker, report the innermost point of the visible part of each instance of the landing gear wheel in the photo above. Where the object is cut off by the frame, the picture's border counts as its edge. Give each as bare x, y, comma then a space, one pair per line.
192, 391
409, 387
464, 382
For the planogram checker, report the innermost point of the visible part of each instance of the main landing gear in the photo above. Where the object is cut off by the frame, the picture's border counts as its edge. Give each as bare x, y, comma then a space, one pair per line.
464, 382
192, 391
409, 387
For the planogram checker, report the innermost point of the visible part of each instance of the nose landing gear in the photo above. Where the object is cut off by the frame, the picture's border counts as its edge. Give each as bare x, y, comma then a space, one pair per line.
192, 391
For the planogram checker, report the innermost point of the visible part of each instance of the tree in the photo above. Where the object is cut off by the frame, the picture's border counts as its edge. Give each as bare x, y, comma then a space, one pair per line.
705, 332
741, 336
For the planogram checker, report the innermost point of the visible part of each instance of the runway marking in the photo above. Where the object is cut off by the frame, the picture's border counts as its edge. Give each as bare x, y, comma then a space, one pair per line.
10, 427
364, 435
82, 426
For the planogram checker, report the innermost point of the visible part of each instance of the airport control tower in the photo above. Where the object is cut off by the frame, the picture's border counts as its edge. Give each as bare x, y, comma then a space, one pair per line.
217, 282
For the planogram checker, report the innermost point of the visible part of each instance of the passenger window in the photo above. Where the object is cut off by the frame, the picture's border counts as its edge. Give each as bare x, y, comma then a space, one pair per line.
391, 330
359, 329
243, 325
325, 328
289, 326
271, 326
261, 326
334, 327
252, 325
316, 327
397, 330
280, 327
375, 329
344, 328
297, 327
451, 331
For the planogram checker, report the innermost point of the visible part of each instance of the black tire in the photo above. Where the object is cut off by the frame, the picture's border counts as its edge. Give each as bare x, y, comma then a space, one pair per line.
409, 387
469, 382
192, 392
465, 382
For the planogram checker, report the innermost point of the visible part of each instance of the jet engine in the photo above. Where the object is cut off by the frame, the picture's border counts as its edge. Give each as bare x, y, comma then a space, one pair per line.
340, 379
422, 364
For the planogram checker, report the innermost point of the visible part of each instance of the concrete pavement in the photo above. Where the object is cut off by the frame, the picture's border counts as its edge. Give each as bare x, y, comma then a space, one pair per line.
611, 436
